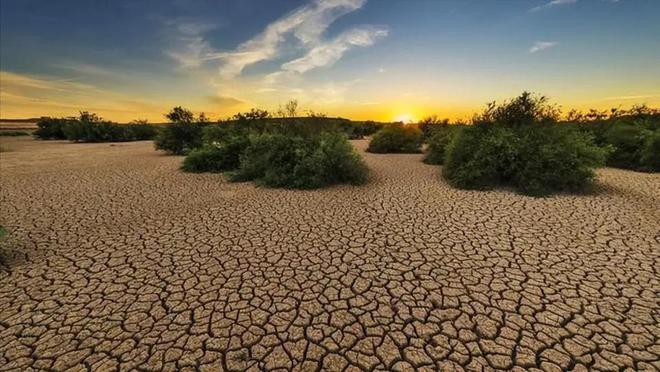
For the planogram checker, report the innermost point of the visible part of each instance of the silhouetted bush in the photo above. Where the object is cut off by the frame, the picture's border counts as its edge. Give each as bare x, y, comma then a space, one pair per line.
216, 156
396, 139
289, 161
438, 142
430, 124
89, 127
519, 144
51, 128
182, 134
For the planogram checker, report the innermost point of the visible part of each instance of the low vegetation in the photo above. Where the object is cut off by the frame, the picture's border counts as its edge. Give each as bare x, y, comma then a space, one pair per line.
299, 153
632, 135
217, 155
88, 127
183, 134
13, 133
300, 162
396, 139
439, 140
519, 144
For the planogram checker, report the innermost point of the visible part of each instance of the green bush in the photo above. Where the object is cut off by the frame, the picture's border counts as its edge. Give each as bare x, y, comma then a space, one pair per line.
519, 144
481, 157
279, 160
650, 153
438, 142
51, 128
627, 142
89, 127
555, 158
217, 156
183, 134
396, 139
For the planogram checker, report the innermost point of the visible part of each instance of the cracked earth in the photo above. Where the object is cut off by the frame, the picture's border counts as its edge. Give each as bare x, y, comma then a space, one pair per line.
116, 260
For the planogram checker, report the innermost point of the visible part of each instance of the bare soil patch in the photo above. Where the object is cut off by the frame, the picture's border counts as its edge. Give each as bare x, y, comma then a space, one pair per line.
119, 260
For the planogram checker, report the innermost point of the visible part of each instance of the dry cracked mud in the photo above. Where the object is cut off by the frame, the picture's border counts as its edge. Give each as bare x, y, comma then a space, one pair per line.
118, 261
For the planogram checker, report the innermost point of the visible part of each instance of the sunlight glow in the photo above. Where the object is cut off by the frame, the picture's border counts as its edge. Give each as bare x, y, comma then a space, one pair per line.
405, 118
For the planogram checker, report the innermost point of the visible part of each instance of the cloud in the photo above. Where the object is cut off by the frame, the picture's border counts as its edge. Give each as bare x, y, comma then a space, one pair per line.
191, 48
542, 45
632, 97
551, 4
327, 53
225, 101
34, 96
306, 23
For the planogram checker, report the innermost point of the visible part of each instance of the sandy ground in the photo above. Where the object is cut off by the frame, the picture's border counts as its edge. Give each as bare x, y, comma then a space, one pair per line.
117, 260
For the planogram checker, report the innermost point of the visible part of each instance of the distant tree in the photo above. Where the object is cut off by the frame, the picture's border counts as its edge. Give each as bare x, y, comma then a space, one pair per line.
202, 119
180, 115
312, 114
290, 109
253, 114
89, 117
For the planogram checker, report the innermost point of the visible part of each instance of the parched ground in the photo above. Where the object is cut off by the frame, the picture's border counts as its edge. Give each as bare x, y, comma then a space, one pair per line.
117, 260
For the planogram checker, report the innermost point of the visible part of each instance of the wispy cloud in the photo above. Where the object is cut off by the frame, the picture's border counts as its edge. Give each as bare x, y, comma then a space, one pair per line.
306, 24
542, 45
327, 53
32, 96
191, 47
631, 97
551, 4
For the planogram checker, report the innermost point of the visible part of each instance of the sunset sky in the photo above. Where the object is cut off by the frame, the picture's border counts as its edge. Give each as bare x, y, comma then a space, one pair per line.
360, 59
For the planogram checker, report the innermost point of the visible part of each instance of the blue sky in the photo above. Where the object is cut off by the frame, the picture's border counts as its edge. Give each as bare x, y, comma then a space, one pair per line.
361, 59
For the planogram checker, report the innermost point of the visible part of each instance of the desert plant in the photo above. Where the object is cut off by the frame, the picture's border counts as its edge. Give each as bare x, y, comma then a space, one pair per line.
216, 156
396, 139
430, 124
627, 141
555, 158
279, 160
519, 144
650, 153
480, 157
438, 142
182, 134
51, 128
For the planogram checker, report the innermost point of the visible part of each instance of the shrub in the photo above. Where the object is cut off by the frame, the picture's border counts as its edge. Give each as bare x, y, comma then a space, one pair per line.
183, 134
480, 157
279, 160
430, 124
650, 153
13, 133
555, 158
51, 128
438, 142
518, 144
396, 139
627, 142
216, 156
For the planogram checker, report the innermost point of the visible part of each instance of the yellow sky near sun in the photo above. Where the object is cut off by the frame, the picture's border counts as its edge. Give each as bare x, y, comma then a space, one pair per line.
23, 96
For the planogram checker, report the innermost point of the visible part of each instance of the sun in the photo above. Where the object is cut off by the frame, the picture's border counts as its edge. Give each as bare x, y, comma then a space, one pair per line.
405, 118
